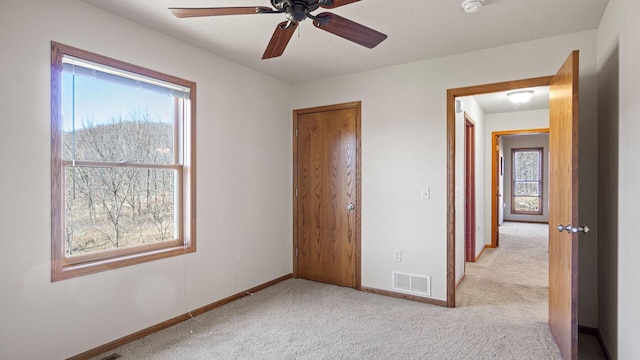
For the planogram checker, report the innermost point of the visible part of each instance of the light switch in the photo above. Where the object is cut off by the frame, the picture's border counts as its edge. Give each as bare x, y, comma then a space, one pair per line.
425, 193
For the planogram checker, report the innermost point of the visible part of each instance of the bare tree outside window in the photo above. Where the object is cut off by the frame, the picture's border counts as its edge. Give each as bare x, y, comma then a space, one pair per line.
111, 207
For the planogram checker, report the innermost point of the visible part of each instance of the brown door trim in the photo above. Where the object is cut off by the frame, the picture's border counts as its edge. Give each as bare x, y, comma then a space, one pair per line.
357, 105
495, 163
451, 153
469, 188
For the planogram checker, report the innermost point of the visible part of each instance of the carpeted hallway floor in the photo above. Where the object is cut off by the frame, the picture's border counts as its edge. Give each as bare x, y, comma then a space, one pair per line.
516, 276
501, 314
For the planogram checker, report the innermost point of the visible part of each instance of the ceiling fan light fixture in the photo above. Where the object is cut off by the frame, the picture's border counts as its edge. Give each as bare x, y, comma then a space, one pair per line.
520, 97
472, 6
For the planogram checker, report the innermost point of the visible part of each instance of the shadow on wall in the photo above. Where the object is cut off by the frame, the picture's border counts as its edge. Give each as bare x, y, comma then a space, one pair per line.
608, 145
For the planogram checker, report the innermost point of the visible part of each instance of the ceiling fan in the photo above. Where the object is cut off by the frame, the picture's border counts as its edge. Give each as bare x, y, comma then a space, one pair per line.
296, 11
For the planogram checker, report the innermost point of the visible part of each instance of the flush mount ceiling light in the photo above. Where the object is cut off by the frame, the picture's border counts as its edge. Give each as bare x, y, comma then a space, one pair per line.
520, 97
472, 6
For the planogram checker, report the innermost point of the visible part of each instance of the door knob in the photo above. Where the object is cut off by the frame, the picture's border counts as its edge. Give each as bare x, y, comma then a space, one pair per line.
568, 228
350, 207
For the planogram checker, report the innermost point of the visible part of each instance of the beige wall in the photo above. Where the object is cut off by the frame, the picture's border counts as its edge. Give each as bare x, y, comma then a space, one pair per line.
243, 193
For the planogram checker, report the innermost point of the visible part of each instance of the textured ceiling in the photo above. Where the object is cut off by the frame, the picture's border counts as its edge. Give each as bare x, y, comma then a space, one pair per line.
417, 30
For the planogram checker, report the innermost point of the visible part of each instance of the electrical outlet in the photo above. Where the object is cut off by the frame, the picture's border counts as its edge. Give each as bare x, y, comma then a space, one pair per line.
397, 255
240, 255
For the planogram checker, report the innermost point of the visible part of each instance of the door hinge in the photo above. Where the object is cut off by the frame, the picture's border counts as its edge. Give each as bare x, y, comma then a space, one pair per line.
296, 192
296, 132
296, 252
497, 147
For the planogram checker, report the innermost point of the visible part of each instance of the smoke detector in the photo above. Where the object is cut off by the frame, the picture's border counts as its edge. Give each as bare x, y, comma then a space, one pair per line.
472, 6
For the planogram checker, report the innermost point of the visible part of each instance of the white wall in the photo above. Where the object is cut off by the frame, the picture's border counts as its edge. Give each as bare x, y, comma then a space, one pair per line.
404, 149
519, 120
526, 141
608, 173
619, 269
628, 244
243, 186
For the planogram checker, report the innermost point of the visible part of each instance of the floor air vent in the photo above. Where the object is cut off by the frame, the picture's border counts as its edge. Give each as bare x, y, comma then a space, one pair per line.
414, 284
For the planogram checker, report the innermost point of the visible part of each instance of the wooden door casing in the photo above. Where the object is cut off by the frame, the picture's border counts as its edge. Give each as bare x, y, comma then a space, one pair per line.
563, 207
495, 176
326, 180
452, 94
470, 189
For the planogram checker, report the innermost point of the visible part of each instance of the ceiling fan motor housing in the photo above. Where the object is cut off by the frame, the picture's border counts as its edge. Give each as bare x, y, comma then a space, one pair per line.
296, 10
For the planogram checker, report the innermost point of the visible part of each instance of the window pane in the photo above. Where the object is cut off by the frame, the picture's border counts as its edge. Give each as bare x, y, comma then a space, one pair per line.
527, 165
121, 137
526, 203
108, 208
527, 188
108, 121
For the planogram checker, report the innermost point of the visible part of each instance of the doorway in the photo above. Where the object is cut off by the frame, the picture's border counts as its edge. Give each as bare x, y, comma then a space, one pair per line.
563, 248
497, 175
326, 202
470, 188
452, 94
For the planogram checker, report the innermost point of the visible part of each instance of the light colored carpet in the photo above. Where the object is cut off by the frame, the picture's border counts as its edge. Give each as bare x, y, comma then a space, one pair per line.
501, 314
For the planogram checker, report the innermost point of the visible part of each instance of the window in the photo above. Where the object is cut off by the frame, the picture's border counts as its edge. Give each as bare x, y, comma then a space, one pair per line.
123, 164
526, 181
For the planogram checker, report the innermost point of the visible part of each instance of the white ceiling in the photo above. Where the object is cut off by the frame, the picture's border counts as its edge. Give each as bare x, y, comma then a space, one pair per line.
498, 102
417, 30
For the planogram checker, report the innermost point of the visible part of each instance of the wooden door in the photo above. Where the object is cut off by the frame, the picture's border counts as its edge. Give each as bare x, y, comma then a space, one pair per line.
563, 207
470, 189
326, 205
498, 189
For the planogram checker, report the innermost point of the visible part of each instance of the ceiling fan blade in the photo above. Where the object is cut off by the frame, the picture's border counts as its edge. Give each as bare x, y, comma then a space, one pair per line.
280, 39
197, 12
337, 3
349, 30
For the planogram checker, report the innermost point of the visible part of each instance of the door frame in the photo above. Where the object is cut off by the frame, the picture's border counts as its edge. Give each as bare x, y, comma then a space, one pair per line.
469, 188
495, 138
452, 94
357, 263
